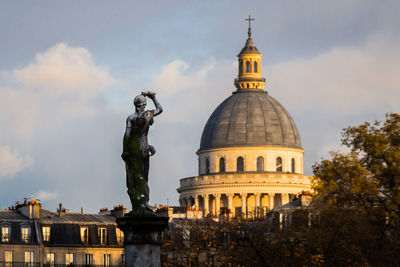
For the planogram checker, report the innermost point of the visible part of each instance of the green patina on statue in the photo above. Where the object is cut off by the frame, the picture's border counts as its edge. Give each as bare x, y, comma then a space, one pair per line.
137, 151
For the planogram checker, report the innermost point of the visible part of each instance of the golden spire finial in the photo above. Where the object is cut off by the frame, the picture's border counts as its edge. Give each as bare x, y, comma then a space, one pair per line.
249, 19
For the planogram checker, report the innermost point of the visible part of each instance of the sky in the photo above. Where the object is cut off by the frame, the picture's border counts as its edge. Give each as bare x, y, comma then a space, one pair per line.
69, 71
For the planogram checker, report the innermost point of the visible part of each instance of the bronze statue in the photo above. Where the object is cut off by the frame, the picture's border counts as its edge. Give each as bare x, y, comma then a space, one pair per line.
137, 151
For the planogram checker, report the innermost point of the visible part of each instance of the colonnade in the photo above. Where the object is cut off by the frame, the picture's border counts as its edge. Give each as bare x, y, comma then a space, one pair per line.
236, 204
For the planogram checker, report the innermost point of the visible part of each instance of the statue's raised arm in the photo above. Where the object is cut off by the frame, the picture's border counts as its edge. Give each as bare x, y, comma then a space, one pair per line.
152, 96
137, 151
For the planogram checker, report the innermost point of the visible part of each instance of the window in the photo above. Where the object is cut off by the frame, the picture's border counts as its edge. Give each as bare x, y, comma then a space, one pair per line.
222, 165
278, 164
84, 234
240, 66
107, 259
8, 258
46, 233
50, 259
120, 235
103, 235
25, 234
89, 259
260, 164
239, 164
69, 259
5, 234
247, 66
255, 66
207, 166
293, 166
29, 258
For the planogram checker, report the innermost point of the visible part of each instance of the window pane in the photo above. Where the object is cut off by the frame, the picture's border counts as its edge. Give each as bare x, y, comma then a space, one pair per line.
221, 165
84, 235
260, 164
89, 259
25, 234
50, 259
69, 259
107, 259
5, 234
29, 258
46, 233
293, 166
120, 235
240, 164
103, 235
278, 164
8, 258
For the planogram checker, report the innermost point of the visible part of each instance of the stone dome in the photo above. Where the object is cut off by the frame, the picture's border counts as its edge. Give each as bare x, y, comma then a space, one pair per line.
250, 118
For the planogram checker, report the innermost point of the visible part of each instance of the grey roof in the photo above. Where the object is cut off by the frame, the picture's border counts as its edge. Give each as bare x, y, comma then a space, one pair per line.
249, 48
250, 118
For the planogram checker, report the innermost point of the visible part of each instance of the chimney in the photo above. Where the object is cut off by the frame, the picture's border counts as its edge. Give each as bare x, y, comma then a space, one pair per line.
118, 211
30, 209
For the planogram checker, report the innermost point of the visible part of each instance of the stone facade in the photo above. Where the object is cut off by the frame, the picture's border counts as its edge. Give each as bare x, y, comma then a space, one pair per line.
32, 236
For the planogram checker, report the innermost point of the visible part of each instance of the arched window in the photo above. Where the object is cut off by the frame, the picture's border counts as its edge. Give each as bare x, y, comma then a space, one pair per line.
240, 66
293, 166
207, 166
278, 164
247, 66
222, 165
240, 164
260, 164
255, 66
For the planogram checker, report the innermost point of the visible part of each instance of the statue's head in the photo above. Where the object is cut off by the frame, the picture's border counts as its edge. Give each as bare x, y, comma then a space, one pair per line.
140, 103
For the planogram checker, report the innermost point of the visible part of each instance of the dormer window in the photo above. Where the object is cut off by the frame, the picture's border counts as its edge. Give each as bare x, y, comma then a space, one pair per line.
5, 234
102, 235
84, 234
120, 235
46, 233
25, 234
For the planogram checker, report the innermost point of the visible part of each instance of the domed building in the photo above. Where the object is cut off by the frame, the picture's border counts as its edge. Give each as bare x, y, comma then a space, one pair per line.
250, 156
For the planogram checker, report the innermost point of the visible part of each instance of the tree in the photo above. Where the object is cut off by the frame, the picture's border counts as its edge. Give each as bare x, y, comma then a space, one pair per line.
363, 188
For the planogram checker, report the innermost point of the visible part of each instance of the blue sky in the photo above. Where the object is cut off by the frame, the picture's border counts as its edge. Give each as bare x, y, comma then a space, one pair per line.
70, 69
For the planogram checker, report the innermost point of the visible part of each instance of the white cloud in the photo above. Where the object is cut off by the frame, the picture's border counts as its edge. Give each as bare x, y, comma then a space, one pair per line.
342, 81
43, 195
12, 162
63, 69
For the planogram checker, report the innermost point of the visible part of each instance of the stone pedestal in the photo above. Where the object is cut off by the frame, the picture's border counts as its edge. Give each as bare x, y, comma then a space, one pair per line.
143, 237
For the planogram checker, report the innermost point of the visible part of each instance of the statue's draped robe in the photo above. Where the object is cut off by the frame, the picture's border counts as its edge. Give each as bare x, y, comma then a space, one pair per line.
136, 153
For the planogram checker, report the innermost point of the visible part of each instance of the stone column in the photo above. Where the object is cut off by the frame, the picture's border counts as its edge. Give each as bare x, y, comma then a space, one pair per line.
244, 205
230, 200
206, 204
257, 204
196, 201
143, 237
217, 203
271, 200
